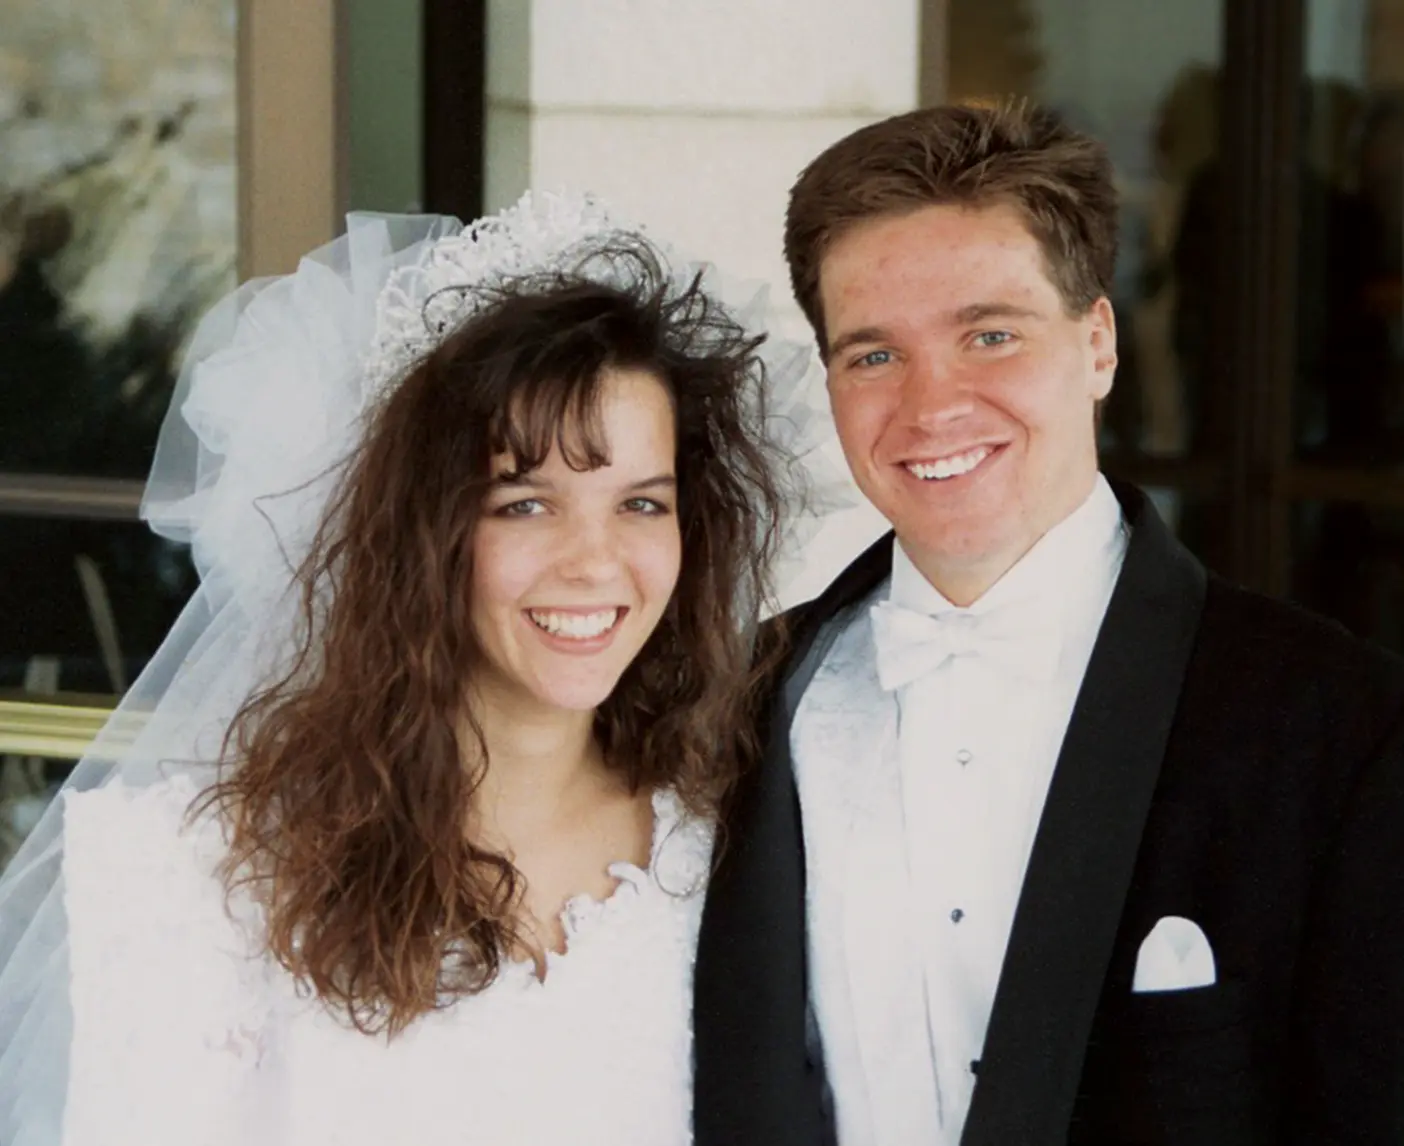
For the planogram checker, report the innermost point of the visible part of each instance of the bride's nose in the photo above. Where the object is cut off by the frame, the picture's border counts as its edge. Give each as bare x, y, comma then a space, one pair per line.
590, 550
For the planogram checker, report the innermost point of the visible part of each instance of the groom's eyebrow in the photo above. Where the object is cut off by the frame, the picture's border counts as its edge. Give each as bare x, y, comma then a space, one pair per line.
855, 337
983, 311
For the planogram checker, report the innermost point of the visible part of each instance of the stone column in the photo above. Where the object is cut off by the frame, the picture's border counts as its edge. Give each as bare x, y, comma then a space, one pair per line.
291, 132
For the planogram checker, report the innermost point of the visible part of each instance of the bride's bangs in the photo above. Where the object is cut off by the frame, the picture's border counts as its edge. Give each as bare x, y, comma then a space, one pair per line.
560, 411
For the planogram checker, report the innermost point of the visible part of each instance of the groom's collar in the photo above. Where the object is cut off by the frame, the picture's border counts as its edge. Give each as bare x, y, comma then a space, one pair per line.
1063, 558
874, 565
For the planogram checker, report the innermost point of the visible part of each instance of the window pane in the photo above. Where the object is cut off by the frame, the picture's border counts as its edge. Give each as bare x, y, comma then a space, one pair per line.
384, 92
117, 219
27, 784
1348, 397
85, 603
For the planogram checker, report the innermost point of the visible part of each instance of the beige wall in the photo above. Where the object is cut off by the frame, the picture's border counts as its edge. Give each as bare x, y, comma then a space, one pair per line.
933, 81
1385, 43
291, 131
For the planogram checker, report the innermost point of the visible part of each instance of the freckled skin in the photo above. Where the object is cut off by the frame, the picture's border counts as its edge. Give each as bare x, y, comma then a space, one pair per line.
947, 336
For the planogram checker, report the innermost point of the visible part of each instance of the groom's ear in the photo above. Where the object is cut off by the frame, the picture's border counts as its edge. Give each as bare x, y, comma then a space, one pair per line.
1100, 333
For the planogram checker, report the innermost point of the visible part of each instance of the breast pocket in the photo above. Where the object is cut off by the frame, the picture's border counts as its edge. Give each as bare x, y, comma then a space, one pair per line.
1172, 1067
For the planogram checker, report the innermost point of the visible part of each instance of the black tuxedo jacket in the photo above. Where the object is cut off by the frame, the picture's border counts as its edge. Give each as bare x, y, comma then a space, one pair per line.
1230, 759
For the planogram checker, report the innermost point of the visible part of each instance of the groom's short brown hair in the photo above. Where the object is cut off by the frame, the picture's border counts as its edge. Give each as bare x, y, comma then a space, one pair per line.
1017, 153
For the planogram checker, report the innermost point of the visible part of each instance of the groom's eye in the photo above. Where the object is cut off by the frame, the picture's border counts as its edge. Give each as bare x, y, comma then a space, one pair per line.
874, 358
989, 339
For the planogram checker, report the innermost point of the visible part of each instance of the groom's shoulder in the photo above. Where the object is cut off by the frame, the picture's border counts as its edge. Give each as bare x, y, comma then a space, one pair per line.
793, 629
777, 635
791, 620
1283, 644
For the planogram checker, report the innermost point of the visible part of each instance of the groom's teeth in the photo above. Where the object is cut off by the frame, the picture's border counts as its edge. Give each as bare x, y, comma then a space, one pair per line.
577, 626
949, 467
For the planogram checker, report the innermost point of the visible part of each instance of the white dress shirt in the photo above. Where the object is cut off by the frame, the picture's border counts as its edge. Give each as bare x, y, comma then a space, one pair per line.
921, 801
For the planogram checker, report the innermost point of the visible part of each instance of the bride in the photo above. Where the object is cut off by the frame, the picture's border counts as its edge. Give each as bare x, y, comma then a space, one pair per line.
402, 835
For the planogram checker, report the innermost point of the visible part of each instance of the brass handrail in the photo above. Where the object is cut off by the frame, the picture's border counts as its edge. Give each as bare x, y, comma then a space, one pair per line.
61, 729
77, 498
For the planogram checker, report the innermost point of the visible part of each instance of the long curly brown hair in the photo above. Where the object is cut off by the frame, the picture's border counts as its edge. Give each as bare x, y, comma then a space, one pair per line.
346, 783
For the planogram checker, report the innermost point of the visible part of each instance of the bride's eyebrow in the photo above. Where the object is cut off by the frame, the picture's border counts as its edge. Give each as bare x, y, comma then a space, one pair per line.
661, 481
511, 480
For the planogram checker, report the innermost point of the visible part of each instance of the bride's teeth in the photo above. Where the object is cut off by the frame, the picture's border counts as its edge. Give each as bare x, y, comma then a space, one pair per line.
579, 626
949, 467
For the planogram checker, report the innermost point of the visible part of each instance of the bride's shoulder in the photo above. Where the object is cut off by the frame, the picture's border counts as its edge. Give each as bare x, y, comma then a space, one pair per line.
175, 792
146, 826
144, 863
165, 970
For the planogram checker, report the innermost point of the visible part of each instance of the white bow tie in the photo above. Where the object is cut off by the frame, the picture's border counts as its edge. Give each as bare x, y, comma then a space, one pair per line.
1023, 637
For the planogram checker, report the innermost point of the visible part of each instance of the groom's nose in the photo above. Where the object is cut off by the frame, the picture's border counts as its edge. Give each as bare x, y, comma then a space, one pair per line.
935, 391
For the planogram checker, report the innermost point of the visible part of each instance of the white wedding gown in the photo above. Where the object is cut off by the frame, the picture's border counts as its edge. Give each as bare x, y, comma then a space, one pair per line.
185, 1035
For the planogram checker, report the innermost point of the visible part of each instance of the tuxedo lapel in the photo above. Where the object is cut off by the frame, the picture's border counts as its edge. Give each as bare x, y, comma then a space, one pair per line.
757, 1074
1087, 842
865, 965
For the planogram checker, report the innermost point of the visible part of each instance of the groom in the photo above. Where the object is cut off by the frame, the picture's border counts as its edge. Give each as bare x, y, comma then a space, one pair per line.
1057, 838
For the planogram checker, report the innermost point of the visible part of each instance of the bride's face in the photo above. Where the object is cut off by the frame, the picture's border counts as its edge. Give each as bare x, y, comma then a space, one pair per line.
572, 570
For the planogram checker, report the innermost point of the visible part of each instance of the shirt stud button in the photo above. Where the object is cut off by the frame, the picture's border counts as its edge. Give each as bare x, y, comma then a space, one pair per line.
964, 756
957, 915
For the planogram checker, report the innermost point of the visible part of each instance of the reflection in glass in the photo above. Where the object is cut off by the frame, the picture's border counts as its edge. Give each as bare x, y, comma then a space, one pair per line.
27, 784
1348, 393
384, 92
86, 603
117, 219
1349, 398
1141, 75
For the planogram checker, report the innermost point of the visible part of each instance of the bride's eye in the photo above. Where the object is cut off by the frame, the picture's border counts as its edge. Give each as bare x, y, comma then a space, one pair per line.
528, 507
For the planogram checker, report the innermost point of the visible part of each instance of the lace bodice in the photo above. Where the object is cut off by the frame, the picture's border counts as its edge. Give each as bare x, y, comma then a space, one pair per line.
184, 1033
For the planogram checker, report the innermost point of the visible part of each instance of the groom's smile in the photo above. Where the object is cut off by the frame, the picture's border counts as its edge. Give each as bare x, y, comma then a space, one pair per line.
950, 467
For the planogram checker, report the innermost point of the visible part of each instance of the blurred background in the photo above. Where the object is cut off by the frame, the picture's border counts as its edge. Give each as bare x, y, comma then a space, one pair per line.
153, 153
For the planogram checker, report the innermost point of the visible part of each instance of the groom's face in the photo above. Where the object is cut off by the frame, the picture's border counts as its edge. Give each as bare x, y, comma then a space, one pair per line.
963, 390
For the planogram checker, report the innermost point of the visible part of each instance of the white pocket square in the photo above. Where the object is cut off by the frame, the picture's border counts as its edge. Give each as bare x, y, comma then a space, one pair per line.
1175, 956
